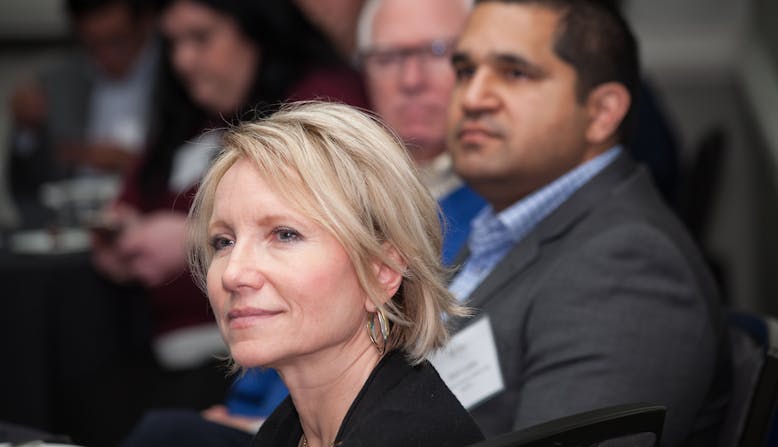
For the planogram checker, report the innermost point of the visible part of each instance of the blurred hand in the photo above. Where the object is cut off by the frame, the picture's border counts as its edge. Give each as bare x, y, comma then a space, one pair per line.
220, 415
105, 156
155, 247
28, 105
107, 256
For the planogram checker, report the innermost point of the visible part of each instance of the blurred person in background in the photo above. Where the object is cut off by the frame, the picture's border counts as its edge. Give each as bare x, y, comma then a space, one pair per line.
226, 60
90, 113
404, 52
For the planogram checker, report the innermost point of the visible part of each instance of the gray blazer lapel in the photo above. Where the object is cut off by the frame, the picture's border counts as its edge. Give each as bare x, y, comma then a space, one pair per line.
561, 220
519, 258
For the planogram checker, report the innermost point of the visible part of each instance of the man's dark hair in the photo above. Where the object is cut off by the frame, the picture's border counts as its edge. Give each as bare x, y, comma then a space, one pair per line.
77, 9
595, 39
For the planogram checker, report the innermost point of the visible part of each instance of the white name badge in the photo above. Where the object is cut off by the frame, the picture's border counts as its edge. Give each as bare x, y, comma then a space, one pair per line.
469, 364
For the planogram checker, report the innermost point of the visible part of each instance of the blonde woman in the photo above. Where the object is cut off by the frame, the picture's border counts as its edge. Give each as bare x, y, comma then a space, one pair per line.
319, 249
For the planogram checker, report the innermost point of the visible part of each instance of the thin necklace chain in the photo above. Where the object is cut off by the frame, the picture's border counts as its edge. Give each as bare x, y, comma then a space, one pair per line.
304, 442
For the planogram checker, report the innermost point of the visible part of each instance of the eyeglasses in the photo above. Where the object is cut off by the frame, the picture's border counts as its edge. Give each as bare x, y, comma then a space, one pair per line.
386, 62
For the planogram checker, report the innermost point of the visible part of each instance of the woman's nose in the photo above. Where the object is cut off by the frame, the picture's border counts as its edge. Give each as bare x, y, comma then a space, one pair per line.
243, 269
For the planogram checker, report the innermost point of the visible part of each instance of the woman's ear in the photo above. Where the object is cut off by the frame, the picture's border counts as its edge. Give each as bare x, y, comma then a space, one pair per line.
607, 105
389, 278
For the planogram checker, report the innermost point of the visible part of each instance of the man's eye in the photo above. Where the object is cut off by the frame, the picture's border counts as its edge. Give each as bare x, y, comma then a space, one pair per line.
515, 73
199, 37
386, 58
464, 72
285, 234
221, 242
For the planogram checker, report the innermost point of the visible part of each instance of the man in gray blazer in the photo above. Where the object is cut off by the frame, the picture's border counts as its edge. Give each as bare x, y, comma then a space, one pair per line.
594, 292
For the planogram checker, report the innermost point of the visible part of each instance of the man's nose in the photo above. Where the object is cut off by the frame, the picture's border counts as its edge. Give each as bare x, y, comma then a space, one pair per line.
478, 94
412, 71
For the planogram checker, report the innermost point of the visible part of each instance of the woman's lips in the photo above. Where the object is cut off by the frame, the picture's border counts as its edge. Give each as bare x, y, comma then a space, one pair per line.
248, 316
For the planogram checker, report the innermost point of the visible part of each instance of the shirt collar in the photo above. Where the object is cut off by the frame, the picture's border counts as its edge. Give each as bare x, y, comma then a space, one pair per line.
525, 214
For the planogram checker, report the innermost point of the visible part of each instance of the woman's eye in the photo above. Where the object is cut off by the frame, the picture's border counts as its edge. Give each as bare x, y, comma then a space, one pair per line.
285, 234
220, 242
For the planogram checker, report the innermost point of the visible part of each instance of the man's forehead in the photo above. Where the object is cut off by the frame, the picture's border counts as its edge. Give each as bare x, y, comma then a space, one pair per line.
409, 22
497, 29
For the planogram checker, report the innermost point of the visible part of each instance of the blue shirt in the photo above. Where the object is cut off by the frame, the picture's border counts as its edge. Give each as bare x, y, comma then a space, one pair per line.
256, 394
493, 235
458, 209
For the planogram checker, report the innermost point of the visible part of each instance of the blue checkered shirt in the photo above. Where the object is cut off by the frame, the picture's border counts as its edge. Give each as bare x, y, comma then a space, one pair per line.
493, 235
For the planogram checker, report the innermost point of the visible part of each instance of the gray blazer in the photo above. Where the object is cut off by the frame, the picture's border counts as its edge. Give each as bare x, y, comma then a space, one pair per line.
607, 301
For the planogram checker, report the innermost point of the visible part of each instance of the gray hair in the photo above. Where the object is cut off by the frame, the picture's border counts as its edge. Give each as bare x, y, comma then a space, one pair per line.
367, 16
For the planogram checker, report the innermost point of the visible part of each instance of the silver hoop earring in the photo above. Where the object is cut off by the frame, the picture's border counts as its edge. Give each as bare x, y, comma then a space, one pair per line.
383, 326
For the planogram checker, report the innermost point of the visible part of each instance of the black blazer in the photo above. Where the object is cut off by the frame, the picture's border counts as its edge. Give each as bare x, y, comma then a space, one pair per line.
399, 405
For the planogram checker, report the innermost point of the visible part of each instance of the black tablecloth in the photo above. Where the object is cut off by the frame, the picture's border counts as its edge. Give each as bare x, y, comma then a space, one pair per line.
61, 325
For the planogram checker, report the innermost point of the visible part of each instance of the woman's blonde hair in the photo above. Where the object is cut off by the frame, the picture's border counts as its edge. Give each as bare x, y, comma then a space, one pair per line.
345, 170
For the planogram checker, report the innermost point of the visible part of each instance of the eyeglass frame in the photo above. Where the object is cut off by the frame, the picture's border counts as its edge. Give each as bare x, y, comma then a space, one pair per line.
436, 49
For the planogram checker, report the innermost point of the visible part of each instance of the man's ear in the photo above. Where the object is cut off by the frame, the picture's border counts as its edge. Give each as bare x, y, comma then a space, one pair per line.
388, 278
607, 105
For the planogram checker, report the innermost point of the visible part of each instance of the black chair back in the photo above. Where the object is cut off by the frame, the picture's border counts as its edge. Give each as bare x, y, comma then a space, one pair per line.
589, 428
751, 413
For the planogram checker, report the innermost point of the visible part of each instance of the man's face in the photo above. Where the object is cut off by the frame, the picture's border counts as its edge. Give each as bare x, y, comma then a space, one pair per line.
113, 37
407, 68
514, 121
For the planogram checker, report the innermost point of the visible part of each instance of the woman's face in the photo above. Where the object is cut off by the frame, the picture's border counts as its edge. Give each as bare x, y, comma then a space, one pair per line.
216, 62
282, 288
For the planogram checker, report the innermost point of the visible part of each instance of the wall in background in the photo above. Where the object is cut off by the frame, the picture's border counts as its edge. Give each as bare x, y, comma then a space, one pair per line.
32, 19
761, 78
765, 19
710, 66
759, 71
690, 38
